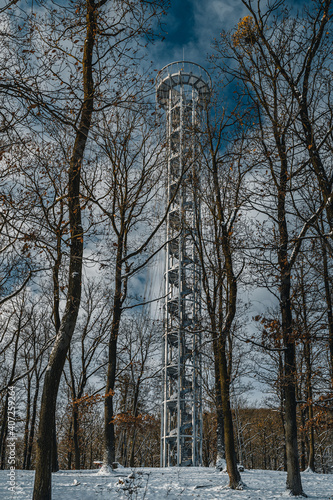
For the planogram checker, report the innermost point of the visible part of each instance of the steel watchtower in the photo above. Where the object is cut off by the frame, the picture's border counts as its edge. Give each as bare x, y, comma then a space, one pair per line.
182, 89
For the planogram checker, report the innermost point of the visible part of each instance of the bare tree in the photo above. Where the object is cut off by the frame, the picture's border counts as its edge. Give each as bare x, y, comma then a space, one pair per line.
138, 345
125, 194
300, 57
263, 68
85, 356
223, 194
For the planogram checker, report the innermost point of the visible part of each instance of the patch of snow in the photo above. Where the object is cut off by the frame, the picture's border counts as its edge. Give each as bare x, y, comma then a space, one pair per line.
105, 470
309, 471
171, 483
221, 465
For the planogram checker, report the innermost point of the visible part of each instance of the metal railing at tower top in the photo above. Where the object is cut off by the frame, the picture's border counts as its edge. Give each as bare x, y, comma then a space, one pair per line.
183, 73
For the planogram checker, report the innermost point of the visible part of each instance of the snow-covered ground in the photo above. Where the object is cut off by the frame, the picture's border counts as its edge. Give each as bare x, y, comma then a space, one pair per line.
165, 484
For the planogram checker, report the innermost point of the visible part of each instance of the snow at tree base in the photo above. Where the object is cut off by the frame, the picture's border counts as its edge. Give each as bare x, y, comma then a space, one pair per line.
167, 483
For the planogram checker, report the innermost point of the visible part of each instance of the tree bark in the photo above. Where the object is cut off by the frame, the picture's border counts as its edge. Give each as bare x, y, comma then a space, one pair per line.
42, 485
308, 377
75, 415
225, 326
26, 427
32, 425
3, 433
69, 450
230, 452
109, 433
77, 454
328, 297
4, 424
220, 445
294, 483
293, 470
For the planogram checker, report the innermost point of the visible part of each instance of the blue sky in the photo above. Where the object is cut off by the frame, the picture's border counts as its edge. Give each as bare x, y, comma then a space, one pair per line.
191, 25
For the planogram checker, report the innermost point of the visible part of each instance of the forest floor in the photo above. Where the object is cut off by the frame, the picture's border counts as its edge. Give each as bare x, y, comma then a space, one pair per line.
165, 484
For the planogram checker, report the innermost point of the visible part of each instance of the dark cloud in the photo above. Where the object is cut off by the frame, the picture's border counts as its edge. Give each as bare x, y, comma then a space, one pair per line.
190, 27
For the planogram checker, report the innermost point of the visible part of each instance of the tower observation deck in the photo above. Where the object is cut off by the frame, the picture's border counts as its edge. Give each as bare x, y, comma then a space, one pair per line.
182, 89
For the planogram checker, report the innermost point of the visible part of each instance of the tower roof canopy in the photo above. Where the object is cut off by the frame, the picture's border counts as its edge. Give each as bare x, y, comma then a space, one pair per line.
181, 73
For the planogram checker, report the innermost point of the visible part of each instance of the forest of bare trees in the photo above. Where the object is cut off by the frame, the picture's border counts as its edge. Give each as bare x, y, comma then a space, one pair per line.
82, 216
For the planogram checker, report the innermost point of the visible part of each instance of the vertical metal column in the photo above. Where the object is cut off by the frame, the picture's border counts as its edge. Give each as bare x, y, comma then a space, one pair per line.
182, 88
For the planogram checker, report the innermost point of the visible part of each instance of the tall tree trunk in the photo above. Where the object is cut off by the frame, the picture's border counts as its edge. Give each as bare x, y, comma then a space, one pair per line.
132, 454
311, 441
218, 402
310, 436
308, 389
328, 297
225, 317
32, 425
4, 423
26, 427
135, 414
220, 444
77, 457
3, 433
230, 452
42, 486
294, 484
69, 451
304, 440
75, 413
282, 411
109, 433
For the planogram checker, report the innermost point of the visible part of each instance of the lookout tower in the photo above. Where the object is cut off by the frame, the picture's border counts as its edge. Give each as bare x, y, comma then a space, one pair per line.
182, 88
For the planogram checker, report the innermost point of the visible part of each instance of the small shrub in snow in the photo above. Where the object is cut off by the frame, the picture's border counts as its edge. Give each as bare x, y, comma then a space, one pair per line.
130, 484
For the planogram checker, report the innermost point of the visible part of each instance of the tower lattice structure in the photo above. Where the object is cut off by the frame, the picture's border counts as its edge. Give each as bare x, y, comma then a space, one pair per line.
182, 89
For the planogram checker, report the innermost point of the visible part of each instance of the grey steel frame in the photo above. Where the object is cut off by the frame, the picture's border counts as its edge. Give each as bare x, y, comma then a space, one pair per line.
182, 88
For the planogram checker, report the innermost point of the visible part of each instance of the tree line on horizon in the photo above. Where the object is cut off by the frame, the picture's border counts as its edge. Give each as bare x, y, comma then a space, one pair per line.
82, 180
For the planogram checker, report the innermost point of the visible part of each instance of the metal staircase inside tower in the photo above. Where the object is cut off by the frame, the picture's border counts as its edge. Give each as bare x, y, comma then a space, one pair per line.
182, 89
